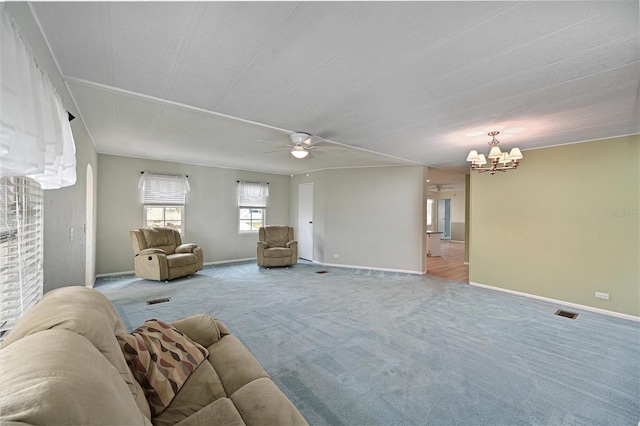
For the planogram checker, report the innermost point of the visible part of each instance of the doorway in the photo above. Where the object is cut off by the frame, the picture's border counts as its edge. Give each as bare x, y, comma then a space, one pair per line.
305, 221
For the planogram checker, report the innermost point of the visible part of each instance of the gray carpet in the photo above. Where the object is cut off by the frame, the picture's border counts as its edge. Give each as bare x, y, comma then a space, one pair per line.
357, 347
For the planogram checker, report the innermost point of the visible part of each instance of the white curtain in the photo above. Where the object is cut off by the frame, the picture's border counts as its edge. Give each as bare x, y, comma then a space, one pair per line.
35, 135
164, 189
252, 194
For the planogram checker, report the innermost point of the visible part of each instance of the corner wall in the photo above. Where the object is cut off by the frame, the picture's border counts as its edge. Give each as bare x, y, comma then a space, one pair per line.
563, 226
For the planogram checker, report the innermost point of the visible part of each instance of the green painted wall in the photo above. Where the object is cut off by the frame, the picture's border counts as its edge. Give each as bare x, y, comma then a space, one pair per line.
564, 225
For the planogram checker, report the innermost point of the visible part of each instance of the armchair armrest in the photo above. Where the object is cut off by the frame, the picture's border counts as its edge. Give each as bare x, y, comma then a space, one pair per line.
262, 244
151, 251
186, 248
292, 242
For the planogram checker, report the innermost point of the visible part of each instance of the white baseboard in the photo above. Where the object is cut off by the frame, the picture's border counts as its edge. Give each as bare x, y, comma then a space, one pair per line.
370, 268
222, 262
560, 302
113, 274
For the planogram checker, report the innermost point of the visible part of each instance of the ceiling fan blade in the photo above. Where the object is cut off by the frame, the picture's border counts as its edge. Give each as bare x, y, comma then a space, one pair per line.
328, 148
275, 142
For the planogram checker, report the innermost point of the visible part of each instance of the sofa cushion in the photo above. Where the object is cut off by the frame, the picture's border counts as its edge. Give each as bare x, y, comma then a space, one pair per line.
277, 236
58, 377
277, 252
88, 313
233, 362
179, 260
163, 238
201, 389
261, 399
161, 359
220, 412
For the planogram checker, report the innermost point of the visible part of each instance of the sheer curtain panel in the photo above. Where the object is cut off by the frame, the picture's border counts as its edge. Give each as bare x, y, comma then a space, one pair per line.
35, 135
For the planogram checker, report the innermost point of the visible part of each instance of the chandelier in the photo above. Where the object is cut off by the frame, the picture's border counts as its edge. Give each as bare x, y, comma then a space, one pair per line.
500, 161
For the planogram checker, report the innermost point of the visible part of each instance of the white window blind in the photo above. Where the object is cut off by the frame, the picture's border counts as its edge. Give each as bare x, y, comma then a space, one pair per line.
21, 273
252, 194
161, 189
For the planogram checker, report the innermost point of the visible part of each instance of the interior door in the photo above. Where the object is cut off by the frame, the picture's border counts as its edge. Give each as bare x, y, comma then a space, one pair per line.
305, 221
444, 217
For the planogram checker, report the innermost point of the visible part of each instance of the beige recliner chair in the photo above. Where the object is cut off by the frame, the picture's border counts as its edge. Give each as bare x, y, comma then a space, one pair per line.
160, 254
276, 246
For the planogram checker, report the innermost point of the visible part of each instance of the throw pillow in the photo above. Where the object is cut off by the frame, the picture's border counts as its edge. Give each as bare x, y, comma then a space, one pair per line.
161, 359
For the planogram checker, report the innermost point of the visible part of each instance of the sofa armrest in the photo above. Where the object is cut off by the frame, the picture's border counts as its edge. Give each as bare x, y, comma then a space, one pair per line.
262, 244
290, 243
186, 248
200, 328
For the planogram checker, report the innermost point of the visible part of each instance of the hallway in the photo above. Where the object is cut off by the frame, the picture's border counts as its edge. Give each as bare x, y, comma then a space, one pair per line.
451, 264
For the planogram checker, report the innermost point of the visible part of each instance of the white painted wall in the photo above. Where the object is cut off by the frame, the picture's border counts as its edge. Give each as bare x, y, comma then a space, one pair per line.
211, 214
64, 209
369, 217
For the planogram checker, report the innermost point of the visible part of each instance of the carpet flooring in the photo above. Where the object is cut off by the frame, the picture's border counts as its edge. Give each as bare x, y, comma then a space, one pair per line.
359, 347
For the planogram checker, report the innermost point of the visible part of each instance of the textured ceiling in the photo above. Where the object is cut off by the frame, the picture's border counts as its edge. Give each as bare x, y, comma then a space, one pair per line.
210, 82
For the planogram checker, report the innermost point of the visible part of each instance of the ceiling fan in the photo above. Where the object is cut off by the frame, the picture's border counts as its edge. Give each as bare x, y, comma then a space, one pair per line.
303, 145
440, 187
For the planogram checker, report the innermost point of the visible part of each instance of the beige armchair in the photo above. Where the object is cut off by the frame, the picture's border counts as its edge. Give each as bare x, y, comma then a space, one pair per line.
160, 254
276, 246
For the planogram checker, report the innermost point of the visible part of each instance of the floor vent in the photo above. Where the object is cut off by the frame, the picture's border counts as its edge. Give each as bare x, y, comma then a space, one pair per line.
566, 314
156, 301
321, 272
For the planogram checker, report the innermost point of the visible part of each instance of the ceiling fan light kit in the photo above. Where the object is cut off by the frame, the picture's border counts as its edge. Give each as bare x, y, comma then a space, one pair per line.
299, 151
500, 161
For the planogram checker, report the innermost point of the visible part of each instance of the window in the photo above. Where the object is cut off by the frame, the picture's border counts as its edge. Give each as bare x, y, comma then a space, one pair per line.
164, 199
429, 211
252, 205
21, 274
163, 216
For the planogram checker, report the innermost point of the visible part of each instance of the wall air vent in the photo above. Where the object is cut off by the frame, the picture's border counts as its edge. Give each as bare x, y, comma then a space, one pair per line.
566, 314
156, 301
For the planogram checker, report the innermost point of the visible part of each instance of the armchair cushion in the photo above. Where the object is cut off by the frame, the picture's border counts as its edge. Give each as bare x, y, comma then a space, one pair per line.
164, 238
277, 236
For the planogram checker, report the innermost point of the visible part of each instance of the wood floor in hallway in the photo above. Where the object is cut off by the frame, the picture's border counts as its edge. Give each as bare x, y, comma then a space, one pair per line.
451, 264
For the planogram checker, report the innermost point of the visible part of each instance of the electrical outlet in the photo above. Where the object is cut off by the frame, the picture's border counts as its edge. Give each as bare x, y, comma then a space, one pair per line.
336, 256
70, 234
604, 296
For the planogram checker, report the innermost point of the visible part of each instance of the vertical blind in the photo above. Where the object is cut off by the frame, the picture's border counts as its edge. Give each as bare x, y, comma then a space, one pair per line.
162, 189
252, 194
21, 273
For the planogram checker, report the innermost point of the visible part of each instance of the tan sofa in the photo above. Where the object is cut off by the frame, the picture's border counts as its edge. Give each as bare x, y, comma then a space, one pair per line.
62, 364
276, 246
160, 254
